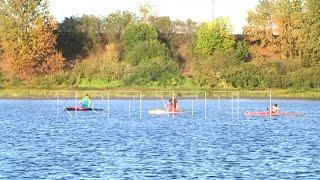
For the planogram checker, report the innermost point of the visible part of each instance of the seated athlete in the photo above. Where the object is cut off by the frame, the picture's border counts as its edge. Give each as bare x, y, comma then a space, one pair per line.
172, 105
275, 108
85, 102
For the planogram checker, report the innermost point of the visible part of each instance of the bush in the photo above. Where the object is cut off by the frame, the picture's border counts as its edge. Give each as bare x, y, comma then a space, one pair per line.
272, 75
138, 32
305, 78
102, 69
214, 36
209, 78
79, 36
61, 79
2, 78
245, 76
159, 71
145, 50
114, 71
15, 81
242, 51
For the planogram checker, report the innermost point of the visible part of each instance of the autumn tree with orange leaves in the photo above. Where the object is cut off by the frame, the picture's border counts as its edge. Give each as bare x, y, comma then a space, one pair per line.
27, 38
285, 29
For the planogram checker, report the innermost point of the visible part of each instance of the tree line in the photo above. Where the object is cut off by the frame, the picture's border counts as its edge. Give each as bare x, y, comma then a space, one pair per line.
279, 48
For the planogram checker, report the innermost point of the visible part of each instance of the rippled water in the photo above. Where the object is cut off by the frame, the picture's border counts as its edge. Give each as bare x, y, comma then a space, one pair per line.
39, 140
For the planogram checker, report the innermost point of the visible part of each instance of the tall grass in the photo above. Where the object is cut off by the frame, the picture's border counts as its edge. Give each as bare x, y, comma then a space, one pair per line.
29, 93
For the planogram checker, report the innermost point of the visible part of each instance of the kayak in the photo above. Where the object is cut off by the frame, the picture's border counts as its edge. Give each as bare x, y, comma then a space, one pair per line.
268, 113
161, 112
261, 113
76, 108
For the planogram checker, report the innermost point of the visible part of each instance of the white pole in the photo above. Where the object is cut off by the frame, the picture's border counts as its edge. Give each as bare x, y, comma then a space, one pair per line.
102, 99
232, 105
238, 106
173, 104
140, 104
270, 104
57, 106
76, 104
164, 105
192, 107
108, 105
205, 105
129, 108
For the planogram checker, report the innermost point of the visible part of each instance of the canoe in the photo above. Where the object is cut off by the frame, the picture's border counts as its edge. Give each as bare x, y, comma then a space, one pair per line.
268, 113
77, 108
162, 112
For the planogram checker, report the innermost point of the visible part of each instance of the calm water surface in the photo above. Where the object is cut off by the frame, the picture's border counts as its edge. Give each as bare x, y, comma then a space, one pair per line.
38, 140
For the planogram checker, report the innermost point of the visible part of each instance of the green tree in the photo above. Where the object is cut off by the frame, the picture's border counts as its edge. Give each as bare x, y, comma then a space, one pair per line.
305, 78
246, 75
260, 25
115, 24
137, 32
27, 38
214, 36
1, 54
312, 33
144, 51
288, 19
155, 71
276, 28
242, 51
146, 12
182, 43
80, 36
163, 27
183, 34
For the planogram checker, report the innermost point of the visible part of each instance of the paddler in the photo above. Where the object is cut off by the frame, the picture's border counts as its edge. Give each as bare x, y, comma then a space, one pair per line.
172, 105
85, 102
275, 108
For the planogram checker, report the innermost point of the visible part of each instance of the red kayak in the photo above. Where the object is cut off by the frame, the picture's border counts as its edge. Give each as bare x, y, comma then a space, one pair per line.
77, 108
268, 113
261, 113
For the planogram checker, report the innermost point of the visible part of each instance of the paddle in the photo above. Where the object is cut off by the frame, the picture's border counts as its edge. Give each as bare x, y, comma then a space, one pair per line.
164, 105
65, 107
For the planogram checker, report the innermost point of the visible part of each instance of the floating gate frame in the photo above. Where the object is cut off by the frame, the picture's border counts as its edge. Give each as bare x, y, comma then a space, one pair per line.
237, 95
139, 94
227, 94
133, 95
182, 95
100, 94
270, 98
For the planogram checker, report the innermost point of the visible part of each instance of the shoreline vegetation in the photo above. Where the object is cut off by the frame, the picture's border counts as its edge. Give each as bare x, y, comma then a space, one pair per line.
278, 51
125, 92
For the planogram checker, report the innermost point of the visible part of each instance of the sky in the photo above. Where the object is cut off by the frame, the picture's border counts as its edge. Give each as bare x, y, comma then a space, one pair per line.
197, 10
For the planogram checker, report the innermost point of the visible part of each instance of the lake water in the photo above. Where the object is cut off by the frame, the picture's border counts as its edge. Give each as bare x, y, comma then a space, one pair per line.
39, 140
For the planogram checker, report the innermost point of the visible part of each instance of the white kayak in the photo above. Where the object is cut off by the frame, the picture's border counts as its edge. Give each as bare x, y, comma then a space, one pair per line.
161, 112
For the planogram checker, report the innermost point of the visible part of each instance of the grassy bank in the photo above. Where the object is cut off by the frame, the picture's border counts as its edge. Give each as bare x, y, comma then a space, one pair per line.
29, 92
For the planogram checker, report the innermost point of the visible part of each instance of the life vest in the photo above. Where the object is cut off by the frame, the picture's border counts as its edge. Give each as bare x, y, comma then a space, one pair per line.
85, 102
171, 109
